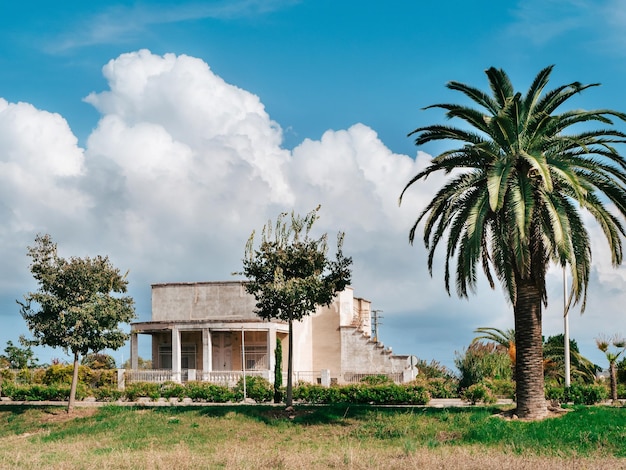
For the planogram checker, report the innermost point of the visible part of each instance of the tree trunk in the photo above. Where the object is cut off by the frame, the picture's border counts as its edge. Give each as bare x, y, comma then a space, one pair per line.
289, 397
530, 394
70, 403
613, 376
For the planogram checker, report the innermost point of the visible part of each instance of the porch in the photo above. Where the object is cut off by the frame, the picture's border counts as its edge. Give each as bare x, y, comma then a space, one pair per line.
216, 352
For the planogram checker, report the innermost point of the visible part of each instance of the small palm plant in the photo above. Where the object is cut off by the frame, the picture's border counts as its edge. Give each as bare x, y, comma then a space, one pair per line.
612, 348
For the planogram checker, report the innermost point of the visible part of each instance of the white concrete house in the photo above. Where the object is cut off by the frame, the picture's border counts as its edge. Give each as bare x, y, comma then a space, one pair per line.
209, 331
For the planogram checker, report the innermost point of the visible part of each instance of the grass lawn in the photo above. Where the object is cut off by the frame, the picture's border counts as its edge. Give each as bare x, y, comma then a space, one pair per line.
260, 437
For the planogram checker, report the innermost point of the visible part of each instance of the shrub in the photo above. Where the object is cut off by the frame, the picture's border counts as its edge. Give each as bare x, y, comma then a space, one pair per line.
586, 394
435, 370
478, 393
202, 391
98, 361
438, 387
376, 379
578, 394
482, 361
40, 392
503, 388
142, 389
555, 393
360, 393
310, 393
172, 389
105, 393
257, 388
58, 374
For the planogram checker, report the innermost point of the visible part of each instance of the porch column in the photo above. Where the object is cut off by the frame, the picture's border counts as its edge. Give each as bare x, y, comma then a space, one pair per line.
271, 351
134, 352
176, 355
207, 353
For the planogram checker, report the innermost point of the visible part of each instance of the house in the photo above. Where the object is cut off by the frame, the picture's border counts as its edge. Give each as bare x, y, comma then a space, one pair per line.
209, 331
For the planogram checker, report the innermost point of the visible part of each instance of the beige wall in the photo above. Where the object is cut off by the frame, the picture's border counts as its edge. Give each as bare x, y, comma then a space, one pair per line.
327, 339
202, 301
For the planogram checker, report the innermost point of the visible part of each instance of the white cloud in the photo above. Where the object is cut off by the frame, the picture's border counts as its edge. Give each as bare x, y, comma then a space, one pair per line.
183, 166
40, 163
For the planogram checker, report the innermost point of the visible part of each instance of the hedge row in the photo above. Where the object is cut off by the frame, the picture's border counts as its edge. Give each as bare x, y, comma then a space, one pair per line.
257, 388
577, 394
385, 394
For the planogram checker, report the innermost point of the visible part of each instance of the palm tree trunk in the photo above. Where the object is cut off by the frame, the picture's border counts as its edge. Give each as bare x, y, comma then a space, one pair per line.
530, 394
613, 377
70, 403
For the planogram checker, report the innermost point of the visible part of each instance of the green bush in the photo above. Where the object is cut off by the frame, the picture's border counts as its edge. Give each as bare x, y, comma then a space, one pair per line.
362, 393
376, 379
40, 392
58, 374
203, 391
257, 388
105, 393
578, 394
142, 389
555, 393
477, 393
586, 394
502, 388
439, 387
482, 361
173, 390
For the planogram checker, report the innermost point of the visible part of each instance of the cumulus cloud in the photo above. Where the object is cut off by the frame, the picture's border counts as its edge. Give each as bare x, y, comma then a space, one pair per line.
182, 166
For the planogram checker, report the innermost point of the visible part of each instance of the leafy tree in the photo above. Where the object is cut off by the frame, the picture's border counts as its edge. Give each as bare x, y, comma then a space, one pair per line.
290, 273
612, 348
581, 368
278, 371
74, 308
505, 338
512, 203
482, 361
141, 363
434, 370
98, 361
16, 357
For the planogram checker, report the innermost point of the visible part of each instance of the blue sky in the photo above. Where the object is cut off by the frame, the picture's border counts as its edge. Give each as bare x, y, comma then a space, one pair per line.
163, 133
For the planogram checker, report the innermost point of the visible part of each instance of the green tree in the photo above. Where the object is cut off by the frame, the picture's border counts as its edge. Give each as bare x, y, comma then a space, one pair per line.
74, 308
16, 357
612, 348
482, 361
98, 360
141, 363
278, 371
290, 274
512, 206
581, 368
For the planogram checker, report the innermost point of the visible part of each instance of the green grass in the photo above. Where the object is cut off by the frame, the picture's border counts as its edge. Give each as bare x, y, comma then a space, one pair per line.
324, 436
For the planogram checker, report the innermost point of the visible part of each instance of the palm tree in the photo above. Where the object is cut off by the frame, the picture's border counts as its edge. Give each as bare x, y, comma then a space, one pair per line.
505, 338
512, 204
612, 355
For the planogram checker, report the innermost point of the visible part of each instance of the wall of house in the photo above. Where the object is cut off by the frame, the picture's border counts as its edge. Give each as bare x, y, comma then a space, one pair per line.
362, 355
202, 301
327, 338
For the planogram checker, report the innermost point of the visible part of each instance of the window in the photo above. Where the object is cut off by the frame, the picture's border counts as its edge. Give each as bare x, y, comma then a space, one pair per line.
256, 357
165, 356
187, 356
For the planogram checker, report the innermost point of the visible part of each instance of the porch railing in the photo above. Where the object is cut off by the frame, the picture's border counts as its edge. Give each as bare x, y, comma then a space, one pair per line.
225, 377
231, 377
